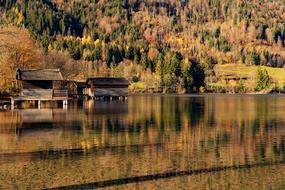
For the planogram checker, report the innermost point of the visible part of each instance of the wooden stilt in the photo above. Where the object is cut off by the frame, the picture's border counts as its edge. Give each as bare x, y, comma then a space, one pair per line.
12, 103
39, 104
64, 104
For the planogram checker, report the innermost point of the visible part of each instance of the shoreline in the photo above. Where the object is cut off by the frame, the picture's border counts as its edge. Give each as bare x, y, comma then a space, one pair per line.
4, 104
205, 94
183, 94
209, 90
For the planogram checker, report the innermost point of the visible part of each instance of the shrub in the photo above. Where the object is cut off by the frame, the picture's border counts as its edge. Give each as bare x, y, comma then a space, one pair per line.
241, 86
263, 79
255, 58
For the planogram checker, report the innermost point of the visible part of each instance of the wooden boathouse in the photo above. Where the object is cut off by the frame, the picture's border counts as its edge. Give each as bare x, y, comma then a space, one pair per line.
40, 85
107, 88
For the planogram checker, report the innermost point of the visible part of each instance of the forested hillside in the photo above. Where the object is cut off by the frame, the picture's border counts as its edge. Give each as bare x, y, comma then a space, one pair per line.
169, 44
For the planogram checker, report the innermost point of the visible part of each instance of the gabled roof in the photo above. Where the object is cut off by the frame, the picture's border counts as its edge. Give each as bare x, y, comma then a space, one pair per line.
80, 84
77, 84
108, 81
39, 74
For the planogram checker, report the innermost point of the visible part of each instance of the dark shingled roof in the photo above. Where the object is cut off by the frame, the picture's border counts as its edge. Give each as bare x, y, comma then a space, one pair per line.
80, 84
108, 81
40, 74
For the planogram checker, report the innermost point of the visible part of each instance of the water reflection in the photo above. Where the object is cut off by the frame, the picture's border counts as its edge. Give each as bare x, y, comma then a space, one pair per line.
144, 136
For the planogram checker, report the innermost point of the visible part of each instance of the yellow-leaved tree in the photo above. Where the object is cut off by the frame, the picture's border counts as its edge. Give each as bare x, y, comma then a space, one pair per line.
17, 50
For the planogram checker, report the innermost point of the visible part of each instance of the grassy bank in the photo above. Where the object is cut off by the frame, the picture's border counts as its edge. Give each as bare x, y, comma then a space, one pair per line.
242, 70
240, 78
230, 78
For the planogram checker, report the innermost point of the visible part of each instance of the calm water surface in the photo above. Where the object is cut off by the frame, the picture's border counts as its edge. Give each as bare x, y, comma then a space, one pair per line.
147, 142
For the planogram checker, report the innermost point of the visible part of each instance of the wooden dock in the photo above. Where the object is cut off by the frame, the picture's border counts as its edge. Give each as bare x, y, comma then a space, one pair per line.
38, 98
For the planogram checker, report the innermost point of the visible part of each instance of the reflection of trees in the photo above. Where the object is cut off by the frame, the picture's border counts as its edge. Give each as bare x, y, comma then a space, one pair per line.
212, 126
208, 123
149, 135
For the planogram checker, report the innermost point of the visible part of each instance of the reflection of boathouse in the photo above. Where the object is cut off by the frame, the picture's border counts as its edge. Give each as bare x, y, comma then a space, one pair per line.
106, 108
107, 87
39, 119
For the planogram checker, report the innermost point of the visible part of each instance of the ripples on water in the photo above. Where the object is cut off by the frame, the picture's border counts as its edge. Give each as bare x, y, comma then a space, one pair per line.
226, 142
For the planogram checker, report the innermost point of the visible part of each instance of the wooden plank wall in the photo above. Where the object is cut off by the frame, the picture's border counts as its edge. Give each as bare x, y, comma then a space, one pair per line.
37, 93
36, 84
114, 92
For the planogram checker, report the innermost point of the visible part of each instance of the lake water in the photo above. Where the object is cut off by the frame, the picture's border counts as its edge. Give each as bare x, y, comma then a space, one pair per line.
147, 142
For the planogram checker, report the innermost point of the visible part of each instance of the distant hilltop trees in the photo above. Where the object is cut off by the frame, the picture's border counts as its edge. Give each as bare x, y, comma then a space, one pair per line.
173, 40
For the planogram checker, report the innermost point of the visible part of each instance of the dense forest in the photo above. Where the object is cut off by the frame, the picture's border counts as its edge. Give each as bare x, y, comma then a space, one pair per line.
173, 45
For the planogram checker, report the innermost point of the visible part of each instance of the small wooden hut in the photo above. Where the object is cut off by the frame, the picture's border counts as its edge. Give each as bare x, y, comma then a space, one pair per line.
80, 86
75, 88
41, 84
107, 87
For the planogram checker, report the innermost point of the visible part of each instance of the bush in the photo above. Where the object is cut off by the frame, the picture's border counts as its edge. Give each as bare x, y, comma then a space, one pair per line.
135, 79
263, 79
241, 87
255, 58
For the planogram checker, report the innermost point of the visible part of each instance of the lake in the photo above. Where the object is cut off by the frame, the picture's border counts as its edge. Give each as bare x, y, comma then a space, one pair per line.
147, 142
